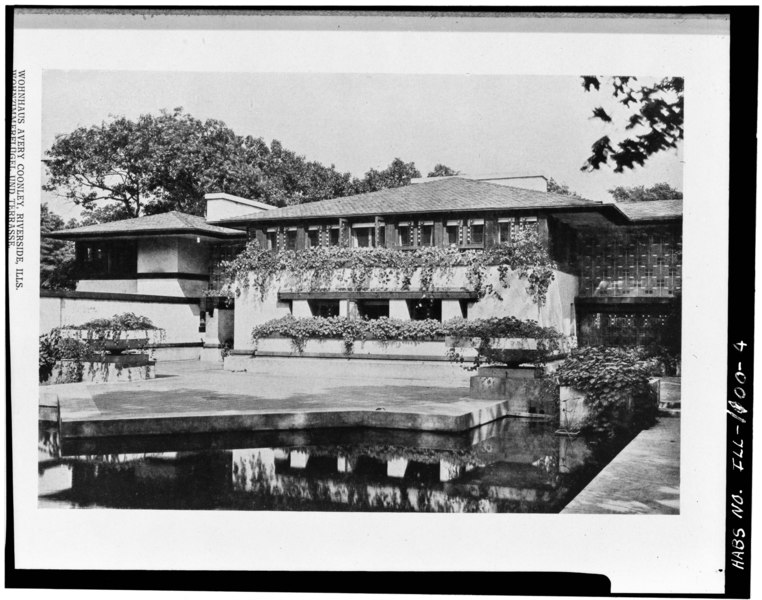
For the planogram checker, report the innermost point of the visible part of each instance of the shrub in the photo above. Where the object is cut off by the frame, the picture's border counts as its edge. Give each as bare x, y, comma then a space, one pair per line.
55, 348
610, 377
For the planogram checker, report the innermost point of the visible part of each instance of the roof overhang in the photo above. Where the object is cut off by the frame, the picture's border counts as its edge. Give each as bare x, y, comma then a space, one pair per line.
185, 233
611, 214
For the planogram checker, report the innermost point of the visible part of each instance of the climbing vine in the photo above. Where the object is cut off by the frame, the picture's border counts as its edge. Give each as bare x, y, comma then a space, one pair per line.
326, 267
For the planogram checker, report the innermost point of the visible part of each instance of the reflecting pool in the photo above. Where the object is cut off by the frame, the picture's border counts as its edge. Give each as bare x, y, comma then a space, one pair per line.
511, 465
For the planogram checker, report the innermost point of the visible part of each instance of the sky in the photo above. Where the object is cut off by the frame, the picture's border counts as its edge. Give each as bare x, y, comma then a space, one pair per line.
476, 124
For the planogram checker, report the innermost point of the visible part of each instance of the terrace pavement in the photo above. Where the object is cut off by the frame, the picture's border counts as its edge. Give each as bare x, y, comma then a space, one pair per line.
192, 396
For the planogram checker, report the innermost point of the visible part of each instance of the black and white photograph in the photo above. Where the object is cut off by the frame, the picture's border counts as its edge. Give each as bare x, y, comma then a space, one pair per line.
296, 267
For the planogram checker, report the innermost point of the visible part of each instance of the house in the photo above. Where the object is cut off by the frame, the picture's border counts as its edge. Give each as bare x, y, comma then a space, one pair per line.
617, 281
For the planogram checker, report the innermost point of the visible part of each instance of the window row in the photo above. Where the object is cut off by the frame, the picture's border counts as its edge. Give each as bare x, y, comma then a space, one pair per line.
418, 310
406, 234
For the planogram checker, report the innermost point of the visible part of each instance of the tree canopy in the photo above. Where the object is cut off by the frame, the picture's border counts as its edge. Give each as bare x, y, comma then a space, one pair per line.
127, 168
56, 256
441, 170
397, 174
655, 120
658, 191
555, 187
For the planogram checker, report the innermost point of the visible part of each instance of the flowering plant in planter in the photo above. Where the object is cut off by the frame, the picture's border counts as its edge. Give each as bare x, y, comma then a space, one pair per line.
68, 349
503, 341
126, 331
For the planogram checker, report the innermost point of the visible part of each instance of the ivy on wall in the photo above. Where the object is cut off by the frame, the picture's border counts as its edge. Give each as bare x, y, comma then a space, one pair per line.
317, 267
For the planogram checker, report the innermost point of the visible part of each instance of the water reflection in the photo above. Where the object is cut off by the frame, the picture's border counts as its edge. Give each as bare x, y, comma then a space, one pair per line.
512, 465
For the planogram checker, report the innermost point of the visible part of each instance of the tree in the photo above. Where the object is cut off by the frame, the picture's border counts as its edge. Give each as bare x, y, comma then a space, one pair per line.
655, 119
163, 161
397, 174
441, 170
554, 187
56, 256
659, 191
93, 215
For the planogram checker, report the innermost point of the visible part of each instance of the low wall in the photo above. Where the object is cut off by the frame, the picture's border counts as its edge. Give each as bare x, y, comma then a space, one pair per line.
320, 348
179, 317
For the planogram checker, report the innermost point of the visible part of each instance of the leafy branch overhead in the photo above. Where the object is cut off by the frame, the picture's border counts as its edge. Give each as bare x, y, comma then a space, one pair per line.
655, 120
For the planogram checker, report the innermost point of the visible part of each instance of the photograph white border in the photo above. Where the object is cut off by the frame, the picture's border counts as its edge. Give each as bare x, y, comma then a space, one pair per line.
640, 554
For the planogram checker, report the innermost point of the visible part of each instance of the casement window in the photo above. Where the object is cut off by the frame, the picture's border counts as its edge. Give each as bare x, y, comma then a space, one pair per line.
290, 238
426, 233
405, 236
313, 236
525, 222
505, 230
476, 231
425, 308
363, 235
373, 309
452, 233
334, 235
324, 308
106, 259
271, 237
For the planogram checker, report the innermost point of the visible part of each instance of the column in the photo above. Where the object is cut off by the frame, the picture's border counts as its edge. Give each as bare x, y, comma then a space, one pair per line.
451, 310
396, 467
300, 309
398, 309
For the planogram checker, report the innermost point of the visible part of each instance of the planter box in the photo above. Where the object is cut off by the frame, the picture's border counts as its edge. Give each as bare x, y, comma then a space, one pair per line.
574, 413
430, 349
108, 369
515, 350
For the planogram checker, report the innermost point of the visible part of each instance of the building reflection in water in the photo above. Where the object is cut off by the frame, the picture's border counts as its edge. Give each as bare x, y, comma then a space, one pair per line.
509, 466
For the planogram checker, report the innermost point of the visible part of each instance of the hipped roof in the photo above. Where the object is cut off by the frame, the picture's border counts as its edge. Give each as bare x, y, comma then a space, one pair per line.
452, 194
168, 223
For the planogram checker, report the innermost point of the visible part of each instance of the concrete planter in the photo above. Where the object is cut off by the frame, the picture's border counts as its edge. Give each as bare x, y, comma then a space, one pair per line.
105, 369
428, 349
575, 414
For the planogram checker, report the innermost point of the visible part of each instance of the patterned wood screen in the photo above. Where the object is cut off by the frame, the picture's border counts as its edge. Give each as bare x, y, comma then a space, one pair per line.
640, 262
219, 253
628, 329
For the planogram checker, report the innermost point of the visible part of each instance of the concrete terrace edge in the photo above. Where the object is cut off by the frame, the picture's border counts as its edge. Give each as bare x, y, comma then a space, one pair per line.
80, 419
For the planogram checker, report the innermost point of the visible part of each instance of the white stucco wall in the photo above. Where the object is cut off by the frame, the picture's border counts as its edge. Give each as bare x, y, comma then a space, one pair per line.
109, 286
193, 256
158, 255
180, 321
188, 288
251, 309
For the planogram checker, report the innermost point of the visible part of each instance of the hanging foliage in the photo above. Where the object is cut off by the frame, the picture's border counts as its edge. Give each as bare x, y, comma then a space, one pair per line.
318, 268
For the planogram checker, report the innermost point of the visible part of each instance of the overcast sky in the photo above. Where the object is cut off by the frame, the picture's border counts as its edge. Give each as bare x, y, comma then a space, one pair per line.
476, 124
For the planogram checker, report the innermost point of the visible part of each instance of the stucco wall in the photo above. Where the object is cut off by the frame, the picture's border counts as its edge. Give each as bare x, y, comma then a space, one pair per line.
188, 288
180, 321
251, 309
110, 286
158, 255
193, 256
